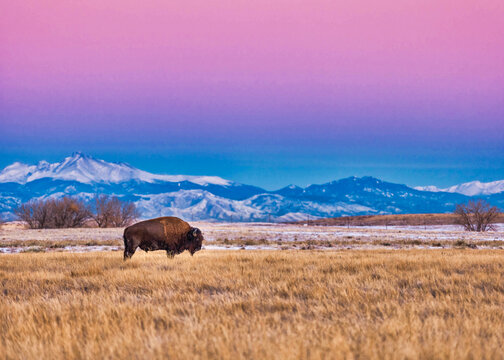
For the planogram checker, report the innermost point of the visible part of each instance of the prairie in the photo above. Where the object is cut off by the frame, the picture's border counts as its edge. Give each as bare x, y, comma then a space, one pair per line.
392, 304
261, 236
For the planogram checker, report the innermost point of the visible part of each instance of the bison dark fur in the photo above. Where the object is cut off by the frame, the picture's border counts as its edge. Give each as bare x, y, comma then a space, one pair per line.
166, 233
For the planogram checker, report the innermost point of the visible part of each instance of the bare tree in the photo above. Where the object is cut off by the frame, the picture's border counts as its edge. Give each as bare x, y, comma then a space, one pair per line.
129, 213
110, 211
69, 212
102, 210
477, 215
36, 213
53, 213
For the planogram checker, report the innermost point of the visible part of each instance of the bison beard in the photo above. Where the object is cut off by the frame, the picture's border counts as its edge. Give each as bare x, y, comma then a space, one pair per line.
166, 233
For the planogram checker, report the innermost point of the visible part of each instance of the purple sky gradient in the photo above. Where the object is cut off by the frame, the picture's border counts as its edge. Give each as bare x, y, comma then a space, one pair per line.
269, 92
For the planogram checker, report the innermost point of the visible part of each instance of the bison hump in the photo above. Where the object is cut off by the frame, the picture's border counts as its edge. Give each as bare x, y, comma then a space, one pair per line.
173, 225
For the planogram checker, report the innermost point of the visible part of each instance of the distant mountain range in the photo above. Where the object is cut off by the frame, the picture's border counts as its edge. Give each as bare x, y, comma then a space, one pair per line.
216, 199
472, 188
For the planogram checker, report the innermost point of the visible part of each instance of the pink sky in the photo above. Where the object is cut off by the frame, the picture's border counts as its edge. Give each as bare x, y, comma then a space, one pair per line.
332, 52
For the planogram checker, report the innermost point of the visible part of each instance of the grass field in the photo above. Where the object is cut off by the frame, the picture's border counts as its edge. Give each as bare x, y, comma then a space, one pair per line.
253, 304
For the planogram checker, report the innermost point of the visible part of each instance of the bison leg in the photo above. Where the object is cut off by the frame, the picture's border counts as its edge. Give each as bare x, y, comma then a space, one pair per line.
129, 248
128, 254
170, 254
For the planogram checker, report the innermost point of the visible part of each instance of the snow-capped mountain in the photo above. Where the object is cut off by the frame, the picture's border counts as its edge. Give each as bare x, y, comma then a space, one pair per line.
201, 204
472, 188
87, 170
216, 199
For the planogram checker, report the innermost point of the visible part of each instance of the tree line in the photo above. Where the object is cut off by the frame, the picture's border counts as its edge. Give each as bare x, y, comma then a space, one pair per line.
68, 212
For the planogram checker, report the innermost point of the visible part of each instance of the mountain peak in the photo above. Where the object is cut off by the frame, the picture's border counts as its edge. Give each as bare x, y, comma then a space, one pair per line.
86, 169
77, 155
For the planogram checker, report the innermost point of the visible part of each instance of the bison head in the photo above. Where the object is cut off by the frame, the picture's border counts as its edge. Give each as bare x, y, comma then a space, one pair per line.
194, 240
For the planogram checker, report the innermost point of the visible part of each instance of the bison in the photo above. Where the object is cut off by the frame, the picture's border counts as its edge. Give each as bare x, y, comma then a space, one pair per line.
165, 233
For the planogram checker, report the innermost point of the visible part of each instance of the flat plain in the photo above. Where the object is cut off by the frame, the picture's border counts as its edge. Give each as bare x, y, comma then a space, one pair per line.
294, 304
267, 236
255, 291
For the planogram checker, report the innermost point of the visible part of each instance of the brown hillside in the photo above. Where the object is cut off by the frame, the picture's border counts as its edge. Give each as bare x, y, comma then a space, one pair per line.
404, 219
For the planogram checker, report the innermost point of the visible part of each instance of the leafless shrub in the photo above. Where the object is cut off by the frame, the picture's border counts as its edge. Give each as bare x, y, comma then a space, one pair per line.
101, 211
477, 215
36, 213
53, 213
129, 213
69, 212
110, 211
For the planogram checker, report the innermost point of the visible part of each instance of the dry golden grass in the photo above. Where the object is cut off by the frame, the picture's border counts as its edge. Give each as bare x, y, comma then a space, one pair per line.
258, 304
